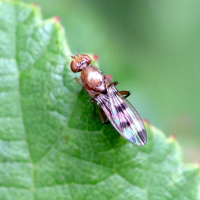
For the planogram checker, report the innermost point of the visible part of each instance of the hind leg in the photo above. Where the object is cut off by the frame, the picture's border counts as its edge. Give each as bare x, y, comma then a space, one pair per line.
102, 118
125, 93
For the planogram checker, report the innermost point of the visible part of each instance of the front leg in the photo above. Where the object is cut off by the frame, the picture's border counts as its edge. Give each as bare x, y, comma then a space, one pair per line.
79, 81
102, 118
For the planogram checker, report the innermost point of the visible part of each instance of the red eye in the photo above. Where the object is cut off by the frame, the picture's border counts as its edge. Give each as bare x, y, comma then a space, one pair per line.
75, 67
79, 62
85, 58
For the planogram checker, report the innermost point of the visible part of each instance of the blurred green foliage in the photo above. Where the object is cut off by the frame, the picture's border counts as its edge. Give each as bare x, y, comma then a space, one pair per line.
152, 48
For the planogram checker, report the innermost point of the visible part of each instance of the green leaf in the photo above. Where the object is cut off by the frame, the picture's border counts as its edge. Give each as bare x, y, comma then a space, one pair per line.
52, 143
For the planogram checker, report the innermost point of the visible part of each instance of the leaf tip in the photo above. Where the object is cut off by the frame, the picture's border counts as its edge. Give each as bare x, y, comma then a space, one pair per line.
173, 137
146, 121
57, 18
109, 77
96, 57
36, 5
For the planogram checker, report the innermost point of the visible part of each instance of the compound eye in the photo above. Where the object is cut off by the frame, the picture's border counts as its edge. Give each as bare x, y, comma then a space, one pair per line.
74, 67
86, 59
79, 62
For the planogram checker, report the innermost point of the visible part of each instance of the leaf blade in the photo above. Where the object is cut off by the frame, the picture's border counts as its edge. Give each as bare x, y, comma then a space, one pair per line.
51, 143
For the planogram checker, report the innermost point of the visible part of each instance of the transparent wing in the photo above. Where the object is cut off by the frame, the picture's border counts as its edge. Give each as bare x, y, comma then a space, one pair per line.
123, 116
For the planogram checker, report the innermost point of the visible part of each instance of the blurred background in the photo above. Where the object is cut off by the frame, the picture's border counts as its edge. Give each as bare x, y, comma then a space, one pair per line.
152, 48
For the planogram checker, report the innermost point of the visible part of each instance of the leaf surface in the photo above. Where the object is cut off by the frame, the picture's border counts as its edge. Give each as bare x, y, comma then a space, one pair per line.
52, 143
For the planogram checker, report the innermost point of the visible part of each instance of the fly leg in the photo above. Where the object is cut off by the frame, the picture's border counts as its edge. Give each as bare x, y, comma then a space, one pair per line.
115, 83
125, 93
79, 81
101, 113
102, 118
93, 101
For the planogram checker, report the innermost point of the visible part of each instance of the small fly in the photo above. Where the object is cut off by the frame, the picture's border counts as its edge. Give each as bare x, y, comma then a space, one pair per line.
113, 103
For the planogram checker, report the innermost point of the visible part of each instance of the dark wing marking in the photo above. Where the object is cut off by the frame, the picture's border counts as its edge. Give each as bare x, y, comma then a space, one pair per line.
123, 116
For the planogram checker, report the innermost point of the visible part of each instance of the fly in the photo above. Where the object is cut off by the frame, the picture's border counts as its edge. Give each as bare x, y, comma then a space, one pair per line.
113, 103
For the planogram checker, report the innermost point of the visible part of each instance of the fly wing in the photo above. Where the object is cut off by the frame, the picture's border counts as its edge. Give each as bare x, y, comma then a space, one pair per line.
123, 116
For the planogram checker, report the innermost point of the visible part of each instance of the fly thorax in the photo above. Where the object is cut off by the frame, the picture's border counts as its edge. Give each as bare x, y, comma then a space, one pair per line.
93, 79
83, 65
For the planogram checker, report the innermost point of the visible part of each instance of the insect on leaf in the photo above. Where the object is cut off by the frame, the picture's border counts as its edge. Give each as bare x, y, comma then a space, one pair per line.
53, 145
